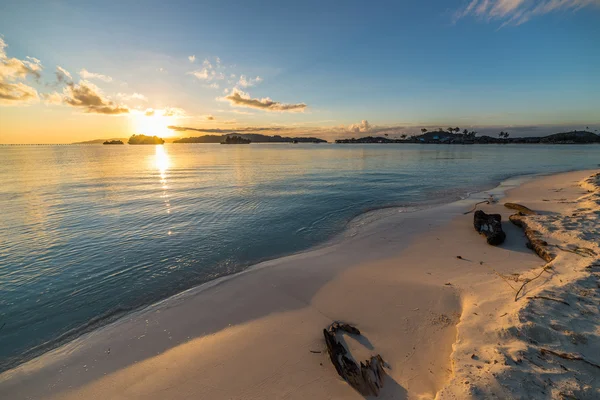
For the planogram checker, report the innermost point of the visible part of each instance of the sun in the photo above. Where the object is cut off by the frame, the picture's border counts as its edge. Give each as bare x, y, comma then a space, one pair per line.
154, 125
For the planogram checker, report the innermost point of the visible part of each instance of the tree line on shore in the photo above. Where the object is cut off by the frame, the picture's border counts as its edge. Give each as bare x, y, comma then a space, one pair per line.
455, 136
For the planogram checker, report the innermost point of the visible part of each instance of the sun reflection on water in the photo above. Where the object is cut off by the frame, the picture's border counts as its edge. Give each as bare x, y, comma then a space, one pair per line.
162, 163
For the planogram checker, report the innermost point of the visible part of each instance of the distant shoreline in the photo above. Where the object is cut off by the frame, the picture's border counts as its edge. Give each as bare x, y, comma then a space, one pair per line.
442, 137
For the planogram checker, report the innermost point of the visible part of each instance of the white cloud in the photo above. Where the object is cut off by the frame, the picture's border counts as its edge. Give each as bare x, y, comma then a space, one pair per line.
89, 97
241, 99
85, 74
133, 96
247, 82
192, 58
173, 112
214, 85
517, 12
209, 72
62, 75
12, 71
200, 74
364, 126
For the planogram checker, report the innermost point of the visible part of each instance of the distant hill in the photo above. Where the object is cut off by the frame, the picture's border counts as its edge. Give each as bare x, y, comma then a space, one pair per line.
201, 139
254, 137
100, 141
572, 137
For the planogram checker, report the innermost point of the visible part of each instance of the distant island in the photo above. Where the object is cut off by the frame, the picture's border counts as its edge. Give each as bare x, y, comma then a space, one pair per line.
113, 142
451, 136
236, 140
143, 139
101, 141
254, 137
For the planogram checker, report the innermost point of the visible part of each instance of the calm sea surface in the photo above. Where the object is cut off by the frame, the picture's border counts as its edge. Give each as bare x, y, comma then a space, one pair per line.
88, 233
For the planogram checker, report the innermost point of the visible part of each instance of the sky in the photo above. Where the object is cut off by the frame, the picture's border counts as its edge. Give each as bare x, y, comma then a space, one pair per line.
80, 70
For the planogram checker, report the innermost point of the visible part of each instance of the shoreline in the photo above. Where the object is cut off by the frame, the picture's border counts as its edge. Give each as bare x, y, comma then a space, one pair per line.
414, 227
113, 316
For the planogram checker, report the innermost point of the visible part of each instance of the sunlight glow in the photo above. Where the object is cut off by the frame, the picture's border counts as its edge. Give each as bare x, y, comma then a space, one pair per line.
154, 125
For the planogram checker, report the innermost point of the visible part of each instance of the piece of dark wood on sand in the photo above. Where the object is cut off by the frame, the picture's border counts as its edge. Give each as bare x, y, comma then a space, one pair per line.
489, 225
367, 378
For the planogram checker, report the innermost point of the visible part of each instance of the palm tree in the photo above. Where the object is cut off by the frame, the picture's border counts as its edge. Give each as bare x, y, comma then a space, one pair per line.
457, 129
450, 129
423, 131
441, 130
403, 136
473, 134
465, 132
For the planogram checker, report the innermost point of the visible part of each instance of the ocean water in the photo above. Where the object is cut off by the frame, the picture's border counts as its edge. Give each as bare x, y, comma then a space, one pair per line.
88, 233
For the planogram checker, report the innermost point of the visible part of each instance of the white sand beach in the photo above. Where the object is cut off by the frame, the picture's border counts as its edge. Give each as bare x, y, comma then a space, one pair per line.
448, 327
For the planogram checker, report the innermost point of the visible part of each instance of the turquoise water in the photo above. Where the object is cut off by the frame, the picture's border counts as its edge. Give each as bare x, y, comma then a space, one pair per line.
89, 233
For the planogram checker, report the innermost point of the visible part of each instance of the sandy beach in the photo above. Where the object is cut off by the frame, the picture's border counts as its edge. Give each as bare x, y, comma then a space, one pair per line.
426, 290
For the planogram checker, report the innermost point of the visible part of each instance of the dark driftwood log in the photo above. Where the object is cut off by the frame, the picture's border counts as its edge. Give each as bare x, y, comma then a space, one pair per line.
367, 378
489, 225
522, 209
533, 240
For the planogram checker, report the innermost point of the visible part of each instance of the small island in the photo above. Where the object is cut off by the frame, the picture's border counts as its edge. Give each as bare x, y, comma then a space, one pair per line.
143, 139
113, 142
236, 140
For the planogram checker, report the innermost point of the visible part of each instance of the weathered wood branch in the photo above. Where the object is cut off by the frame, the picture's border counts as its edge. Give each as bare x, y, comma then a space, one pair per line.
520, 208
548, 298
546, 267
489, 225
533, 240
568, 356
475, 206
367, 378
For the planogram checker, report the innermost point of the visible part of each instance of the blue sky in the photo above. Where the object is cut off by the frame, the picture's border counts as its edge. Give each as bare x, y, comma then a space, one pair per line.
403, 64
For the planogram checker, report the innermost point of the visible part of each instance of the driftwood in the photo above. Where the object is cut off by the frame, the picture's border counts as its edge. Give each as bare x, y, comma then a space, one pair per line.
548, 298
522, 209
367, 378
533, 241
489, 225
568, 356
544, 269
